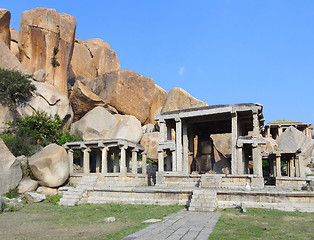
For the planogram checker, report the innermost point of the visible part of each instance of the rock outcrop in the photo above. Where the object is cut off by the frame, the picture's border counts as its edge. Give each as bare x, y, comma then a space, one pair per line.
96, 124
83, 100
10, 170
50, 166
125, 90
5, 115
14, 44
42, 31
47, 98
5, 17
100, 124
158, 102
179, 99
8, 60
292, 140
27, 185
150, 142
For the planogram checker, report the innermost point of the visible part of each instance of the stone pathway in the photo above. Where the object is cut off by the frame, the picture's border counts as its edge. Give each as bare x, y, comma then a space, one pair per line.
183, 225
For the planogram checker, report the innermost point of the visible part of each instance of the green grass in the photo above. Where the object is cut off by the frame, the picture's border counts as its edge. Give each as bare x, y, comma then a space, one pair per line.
82, 221
263, 224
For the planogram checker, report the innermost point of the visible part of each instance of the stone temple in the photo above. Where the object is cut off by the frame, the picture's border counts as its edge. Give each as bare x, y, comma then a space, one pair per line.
208, 157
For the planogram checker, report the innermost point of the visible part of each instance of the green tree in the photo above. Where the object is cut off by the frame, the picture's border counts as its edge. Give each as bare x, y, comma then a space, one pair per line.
15, 88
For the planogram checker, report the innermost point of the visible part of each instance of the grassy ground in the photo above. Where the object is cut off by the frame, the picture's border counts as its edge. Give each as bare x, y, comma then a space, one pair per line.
263, 224
48, 221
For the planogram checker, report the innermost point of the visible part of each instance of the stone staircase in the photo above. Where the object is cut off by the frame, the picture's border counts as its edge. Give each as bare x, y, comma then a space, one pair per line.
74, 194
203, 200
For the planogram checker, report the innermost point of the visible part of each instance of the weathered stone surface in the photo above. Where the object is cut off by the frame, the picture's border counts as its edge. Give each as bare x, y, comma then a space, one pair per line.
83, 100
8, 60
105, 59
127, 127
110, 219
5, 17
158, 102
39, 75
41, 30
293, 140
5, 116
125, 90
150, 142
50, 166
148, 128
27, 185
35, 197
271, 145
82, 62
47, 190
14, 44
10, 170
100, 124
94, 125
47, 98
222, 149
179, 99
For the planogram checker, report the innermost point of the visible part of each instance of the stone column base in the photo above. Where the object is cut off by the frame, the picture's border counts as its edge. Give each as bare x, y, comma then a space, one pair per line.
257, 182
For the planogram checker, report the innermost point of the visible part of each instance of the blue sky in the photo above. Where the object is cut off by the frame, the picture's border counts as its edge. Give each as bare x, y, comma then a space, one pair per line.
222, 52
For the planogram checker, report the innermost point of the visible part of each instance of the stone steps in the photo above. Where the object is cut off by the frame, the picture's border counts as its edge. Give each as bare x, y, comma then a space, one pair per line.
203, 200
73, 195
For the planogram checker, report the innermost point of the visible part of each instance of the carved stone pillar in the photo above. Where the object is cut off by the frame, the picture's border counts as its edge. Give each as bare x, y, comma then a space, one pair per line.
134, 160
86, 159
70, 157
123, 160
160, 160
144, 162
234, 138
257, 160
178, 165
104, 159
278, 165
185, 160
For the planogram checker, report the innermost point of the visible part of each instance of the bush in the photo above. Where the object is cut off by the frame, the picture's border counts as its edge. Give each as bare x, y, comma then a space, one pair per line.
12, 193
54, 199
15, 88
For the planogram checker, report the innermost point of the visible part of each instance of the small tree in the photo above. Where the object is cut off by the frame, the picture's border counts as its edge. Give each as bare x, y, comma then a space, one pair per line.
15, 88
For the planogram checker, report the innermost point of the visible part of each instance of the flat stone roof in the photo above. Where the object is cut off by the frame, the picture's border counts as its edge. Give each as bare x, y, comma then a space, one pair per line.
210, 110
103, 143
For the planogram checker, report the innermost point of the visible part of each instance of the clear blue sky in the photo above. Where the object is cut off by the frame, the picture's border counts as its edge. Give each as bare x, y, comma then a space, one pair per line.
222, 52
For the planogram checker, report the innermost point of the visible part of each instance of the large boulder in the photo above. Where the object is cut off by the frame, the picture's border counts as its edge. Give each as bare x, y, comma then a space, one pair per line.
50, 166
125, 90
222, 149
158, 101
83, 65
127, 127
10, 170
150, 142
83, 100
179, 99
14, 44
292, 140
47, 98
105, 59
5, 115
94, 125
271, 146
41, 31
27, 185
100, 124
8, 60
5, 17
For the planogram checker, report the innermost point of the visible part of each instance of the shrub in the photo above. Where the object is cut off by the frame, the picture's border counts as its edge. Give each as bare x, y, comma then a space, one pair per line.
12, 193
54, 60
15, 88
54, 199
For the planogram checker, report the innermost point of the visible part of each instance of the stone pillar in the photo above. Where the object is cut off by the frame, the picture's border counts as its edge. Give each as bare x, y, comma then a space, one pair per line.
255, 124
86, 158
116, 167
174, 161
301, 165
257, 160
234, 138
279, 130
160, 160
291, 168
104, 159
178, 146
144, 162
268, 132
185, 159
98, 162
278, 165
297, 166
240, 165
70, 157
162, 131
123, 160
134, 160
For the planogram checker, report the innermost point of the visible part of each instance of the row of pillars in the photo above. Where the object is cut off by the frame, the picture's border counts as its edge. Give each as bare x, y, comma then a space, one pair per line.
295, 166
103, 161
